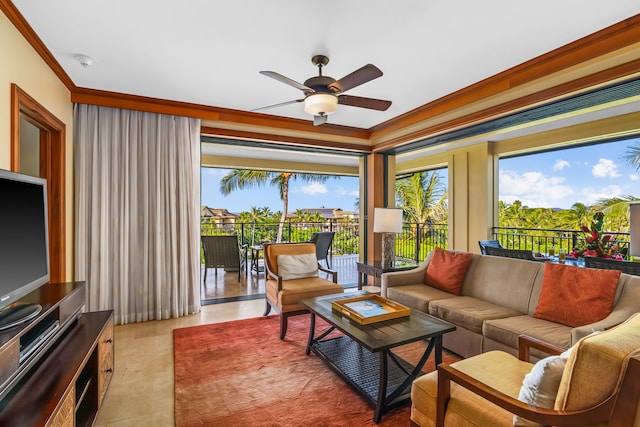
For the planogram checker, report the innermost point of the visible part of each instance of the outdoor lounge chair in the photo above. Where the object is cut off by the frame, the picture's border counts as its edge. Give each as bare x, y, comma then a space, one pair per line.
223, 252
488, 243
612, 264
510, 253
322, 241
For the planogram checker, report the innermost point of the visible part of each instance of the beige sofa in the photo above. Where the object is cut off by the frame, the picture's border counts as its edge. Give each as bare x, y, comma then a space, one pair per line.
496, 304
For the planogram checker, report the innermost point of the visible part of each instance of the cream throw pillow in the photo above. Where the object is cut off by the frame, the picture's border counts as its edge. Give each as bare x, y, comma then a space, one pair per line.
540, 386
297, 266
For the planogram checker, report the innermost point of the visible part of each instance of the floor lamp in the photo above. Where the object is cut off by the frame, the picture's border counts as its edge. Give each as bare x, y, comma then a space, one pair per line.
388, 222
634, 231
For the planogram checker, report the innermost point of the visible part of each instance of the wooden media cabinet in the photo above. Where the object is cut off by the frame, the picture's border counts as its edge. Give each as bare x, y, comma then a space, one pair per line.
63, 381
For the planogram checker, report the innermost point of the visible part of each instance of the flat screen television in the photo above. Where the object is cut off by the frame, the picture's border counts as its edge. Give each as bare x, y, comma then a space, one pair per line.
24, 244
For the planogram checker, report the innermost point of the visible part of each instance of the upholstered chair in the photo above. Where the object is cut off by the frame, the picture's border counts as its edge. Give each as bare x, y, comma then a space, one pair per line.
593, 383
293, 273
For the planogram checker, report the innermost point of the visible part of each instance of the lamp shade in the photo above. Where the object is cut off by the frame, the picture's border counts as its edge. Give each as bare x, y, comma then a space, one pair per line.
634, 229
387, 220
320, 103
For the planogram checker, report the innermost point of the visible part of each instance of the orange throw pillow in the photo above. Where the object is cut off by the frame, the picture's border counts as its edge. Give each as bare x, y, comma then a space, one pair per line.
447, 269
576, 296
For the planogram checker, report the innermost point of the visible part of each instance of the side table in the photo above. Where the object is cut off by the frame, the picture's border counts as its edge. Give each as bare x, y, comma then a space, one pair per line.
256, 254
374, 269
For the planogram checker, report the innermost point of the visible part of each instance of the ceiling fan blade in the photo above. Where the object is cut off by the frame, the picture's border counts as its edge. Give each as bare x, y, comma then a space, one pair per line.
358, 77
277, 105
319, 120
370, 103
286, 80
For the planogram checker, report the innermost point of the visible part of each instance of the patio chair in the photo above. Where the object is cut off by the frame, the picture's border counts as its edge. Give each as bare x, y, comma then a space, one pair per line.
611, 264
322, 241
488, 243
292, 275
223, 252
510, 253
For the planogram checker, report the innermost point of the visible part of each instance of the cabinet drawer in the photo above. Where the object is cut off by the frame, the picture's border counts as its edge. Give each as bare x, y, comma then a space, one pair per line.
105, 360
63, 416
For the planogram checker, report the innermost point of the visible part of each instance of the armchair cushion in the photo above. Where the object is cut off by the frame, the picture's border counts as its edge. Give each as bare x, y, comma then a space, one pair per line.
540, 386
576, 296
447, 269
297, 266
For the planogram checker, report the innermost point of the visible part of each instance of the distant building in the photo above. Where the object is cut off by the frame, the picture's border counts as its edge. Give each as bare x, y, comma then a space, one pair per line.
327, 213
218, 216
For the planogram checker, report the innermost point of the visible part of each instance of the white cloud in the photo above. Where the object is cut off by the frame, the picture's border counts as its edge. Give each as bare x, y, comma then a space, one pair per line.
591, 195
560, 165
605, 168
314, 189
533, 189
341, 191
634, 177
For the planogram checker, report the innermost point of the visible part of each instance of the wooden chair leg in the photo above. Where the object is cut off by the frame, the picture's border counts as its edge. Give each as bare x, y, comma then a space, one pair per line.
267, 308
283, 325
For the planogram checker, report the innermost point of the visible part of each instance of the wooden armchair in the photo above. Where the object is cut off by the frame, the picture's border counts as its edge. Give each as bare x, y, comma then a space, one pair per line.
292, 275
597, 386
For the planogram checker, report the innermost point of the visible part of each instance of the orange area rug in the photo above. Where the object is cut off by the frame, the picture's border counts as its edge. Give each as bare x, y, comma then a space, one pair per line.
240, 374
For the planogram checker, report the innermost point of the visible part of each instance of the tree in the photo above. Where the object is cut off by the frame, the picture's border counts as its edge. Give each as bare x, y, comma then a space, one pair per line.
632, 155
239, 179
422, 197
253, 217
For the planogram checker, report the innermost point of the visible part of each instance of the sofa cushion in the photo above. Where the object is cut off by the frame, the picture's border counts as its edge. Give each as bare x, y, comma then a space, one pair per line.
501, 370
507, 330
506, 282
294, 290
447, 270
297, 266
416, 296
468, 312
576, 296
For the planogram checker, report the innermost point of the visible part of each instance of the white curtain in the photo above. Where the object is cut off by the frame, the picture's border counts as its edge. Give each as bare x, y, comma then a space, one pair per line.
137, 204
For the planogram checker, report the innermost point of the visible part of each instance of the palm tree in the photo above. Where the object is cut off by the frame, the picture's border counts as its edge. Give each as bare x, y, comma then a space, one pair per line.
239, 179
422, 197
255, 216
632, 155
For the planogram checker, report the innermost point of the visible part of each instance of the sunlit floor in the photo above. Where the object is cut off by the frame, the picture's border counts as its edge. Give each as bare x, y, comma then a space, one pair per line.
141, 391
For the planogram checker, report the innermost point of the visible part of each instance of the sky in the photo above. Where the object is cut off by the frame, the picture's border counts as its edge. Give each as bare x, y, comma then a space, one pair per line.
555, 179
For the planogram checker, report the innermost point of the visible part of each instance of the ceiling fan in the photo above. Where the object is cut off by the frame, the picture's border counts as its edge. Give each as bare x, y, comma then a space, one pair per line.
322, 94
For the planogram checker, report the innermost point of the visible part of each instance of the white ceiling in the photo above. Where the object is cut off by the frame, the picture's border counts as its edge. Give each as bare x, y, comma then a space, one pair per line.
210, 52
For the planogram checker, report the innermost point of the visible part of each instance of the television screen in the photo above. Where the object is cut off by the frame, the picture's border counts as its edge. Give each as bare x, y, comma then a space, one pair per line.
24, 243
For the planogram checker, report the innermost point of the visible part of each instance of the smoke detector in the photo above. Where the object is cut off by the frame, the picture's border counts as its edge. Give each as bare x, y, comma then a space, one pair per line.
85, 60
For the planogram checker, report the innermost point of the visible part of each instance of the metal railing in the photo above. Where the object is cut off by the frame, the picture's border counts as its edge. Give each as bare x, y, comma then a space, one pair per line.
541, 240
415, 241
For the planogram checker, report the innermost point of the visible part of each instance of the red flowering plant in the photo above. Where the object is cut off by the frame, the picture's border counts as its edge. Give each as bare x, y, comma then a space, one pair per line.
598, 244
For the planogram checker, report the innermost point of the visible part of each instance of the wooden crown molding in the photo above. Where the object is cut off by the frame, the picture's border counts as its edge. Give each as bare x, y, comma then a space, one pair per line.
16, 18
284, 140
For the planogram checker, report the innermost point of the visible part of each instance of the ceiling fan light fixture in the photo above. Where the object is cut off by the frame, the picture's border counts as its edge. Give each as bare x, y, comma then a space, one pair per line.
320, 103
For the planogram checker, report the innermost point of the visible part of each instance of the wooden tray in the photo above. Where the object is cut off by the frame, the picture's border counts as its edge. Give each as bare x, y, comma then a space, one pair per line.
366, 309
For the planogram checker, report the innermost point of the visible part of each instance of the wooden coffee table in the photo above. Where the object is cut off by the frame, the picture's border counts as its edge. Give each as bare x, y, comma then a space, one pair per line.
363, 356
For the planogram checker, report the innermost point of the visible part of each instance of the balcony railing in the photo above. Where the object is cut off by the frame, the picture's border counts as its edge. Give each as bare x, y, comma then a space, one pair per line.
413, 243
541, 240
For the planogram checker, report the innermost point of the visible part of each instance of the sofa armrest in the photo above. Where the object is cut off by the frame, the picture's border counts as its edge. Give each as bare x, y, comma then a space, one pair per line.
401, 278
526, 343
448, 374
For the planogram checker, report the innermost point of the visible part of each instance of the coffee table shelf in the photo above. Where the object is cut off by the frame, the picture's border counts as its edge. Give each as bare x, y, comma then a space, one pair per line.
361, 369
